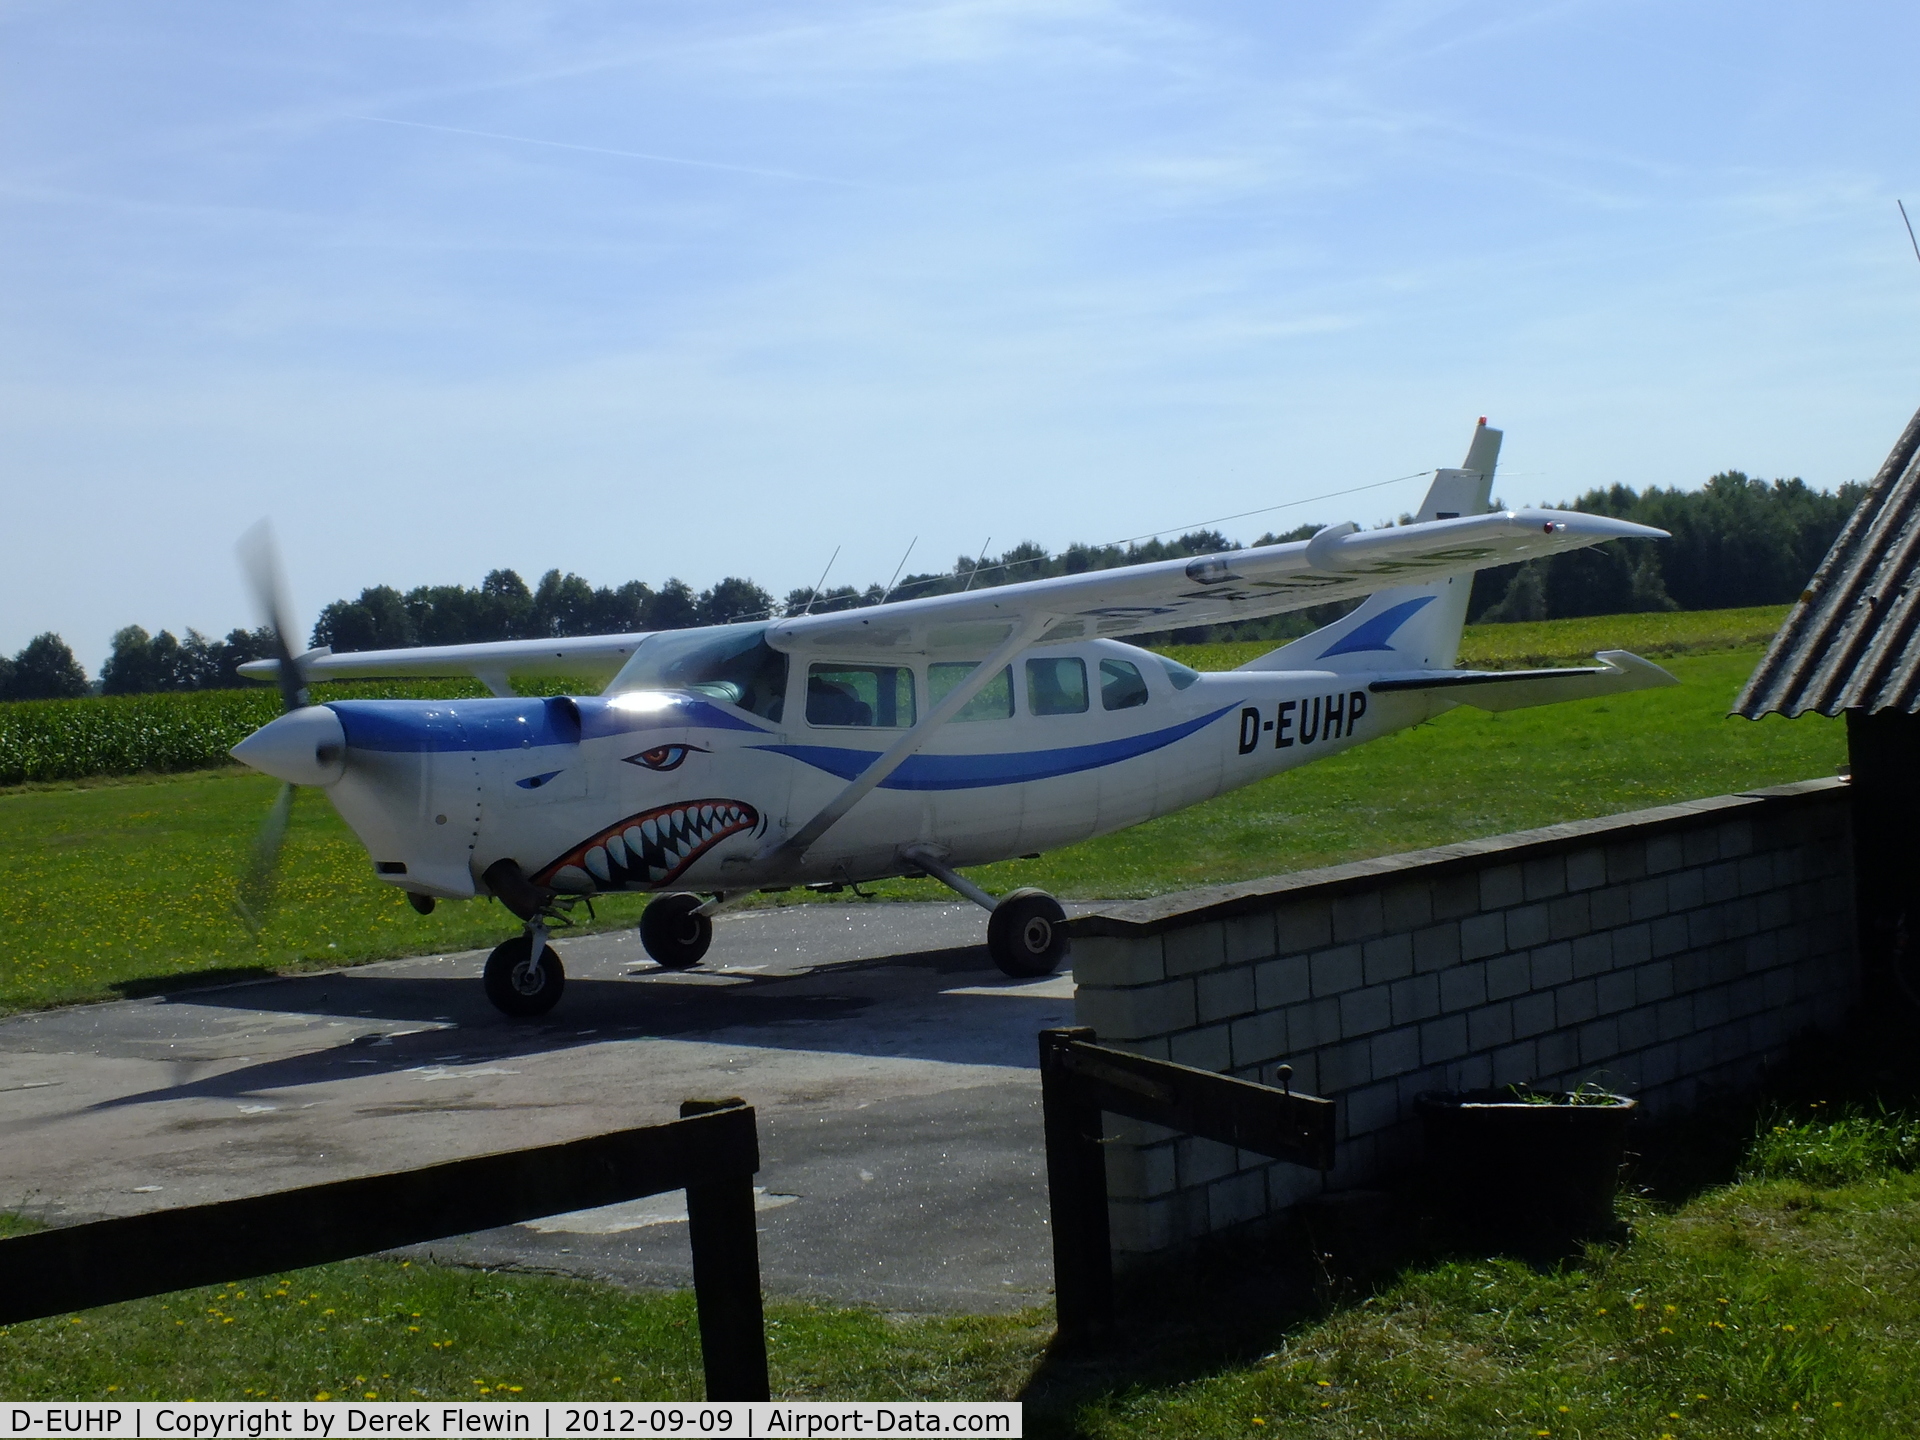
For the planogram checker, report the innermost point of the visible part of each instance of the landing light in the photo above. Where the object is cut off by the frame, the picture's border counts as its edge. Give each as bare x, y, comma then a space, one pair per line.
644, 702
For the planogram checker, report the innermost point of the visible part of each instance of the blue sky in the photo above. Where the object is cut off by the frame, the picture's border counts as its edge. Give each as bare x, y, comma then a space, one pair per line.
698, 289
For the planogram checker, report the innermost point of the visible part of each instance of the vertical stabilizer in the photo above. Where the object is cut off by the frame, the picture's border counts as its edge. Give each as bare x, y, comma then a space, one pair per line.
1411, 627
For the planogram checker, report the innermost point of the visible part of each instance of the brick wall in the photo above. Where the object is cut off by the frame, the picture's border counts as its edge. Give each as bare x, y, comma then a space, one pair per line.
1656, 952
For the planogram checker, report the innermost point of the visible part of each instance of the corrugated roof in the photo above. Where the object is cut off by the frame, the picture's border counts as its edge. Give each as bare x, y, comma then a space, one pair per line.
1850, 642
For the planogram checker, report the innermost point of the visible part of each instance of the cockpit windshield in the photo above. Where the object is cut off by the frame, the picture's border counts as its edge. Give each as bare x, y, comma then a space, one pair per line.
733, 663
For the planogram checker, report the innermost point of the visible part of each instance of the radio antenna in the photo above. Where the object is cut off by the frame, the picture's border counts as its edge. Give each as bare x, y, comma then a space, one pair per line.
1910, 239
976, 565
822, 581
898, 568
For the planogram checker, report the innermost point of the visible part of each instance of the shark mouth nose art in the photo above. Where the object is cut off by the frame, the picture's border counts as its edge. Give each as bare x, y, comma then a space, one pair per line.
651, 848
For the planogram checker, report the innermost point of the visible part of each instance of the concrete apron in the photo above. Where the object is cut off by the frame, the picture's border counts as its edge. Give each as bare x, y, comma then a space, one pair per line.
893, 1069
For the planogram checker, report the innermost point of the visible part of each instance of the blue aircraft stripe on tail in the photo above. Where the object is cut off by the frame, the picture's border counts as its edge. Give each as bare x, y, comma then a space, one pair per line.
1374, 634
970, 772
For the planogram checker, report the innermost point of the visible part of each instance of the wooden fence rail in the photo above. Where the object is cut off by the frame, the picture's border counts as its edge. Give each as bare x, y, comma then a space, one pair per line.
711, 1152
1080, 1079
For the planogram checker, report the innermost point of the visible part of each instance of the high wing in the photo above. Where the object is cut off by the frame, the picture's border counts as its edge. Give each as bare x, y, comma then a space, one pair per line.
1340, 563
591, 657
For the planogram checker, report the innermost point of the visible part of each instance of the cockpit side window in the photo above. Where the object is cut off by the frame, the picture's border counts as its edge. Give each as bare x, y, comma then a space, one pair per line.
733, 663
1121, 685
876, 695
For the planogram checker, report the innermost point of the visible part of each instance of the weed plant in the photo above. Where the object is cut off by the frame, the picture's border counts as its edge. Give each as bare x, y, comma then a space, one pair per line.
1824, 1146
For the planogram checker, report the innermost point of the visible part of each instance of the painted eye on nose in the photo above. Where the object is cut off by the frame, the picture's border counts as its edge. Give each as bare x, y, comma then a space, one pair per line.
664, 757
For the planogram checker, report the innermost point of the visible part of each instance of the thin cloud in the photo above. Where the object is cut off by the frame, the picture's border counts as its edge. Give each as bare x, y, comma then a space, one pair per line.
621, 154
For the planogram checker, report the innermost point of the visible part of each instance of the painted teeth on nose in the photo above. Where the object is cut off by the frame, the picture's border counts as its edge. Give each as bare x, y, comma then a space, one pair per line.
636, 841
650, 832
617, 851
706, 817
596, 861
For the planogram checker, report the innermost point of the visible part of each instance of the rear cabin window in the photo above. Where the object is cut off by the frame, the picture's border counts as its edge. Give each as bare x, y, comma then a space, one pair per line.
993, 702
1057, 686
1179, 674
1121, 687
880, 696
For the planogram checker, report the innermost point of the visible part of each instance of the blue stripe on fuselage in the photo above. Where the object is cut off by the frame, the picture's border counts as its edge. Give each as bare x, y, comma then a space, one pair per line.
969, 772
434, 726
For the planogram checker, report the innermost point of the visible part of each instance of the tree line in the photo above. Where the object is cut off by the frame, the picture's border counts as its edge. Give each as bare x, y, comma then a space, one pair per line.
1736, 541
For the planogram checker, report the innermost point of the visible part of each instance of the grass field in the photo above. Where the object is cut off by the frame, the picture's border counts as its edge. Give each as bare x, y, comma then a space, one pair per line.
1776, 1306
106, 887
1565, 642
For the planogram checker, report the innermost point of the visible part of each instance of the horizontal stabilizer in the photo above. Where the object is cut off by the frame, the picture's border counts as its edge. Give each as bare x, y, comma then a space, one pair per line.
1619, 671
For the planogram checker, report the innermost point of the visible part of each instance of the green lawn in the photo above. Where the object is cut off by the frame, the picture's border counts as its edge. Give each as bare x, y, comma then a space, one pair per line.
376, 1329
1772, 1308
111, 886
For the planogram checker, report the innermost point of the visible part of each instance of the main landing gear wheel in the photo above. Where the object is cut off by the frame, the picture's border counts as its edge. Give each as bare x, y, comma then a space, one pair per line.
1024, 935
674, 933
518, 988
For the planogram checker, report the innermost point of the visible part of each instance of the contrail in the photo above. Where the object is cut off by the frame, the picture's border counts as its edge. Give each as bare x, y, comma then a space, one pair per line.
621, 154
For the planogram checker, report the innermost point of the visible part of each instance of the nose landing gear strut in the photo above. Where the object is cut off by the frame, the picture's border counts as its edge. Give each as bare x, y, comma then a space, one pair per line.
524, 977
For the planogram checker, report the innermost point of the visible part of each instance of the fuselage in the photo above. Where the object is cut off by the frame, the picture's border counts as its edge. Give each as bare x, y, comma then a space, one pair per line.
689, 777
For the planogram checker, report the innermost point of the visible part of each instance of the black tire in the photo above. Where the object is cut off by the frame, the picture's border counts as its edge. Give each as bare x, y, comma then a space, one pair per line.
1024, 935
516, 992
673, 934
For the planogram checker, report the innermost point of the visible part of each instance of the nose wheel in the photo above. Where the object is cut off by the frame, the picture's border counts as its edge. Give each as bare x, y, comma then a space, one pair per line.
519, 983
674, 931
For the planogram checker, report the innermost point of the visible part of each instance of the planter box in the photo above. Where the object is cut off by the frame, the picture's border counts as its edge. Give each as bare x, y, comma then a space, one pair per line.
1524, 1174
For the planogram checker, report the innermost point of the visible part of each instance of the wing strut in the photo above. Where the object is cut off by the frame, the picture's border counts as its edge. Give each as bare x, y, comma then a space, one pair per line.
1025, 631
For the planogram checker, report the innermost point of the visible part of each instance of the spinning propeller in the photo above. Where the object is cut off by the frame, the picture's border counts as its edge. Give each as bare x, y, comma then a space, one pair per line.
260, 564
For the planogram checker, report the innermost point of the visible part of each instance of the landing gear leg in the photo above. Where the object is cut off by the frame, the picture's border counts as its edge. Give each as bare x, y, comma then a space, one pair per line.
1024, 933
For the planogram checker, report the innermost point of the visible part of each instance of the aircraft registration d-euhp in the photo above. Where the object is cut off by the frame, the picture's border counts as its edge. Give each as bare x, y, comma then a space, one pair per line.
914, 738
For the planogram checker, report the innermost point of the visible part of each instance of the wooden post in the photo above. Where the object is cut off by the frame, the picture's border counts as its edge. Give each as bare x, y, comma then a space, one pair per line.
1076, 1196
726, 1279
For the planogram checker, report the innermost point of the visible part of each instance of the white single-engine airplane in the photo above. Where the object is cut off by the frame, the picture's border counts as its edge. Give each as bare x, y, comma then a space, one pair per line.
914, 738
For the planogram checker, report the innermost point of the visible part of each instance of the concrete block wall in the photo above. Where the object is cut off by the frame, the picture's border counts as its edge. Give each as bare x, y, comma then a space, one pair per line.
1656, 952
